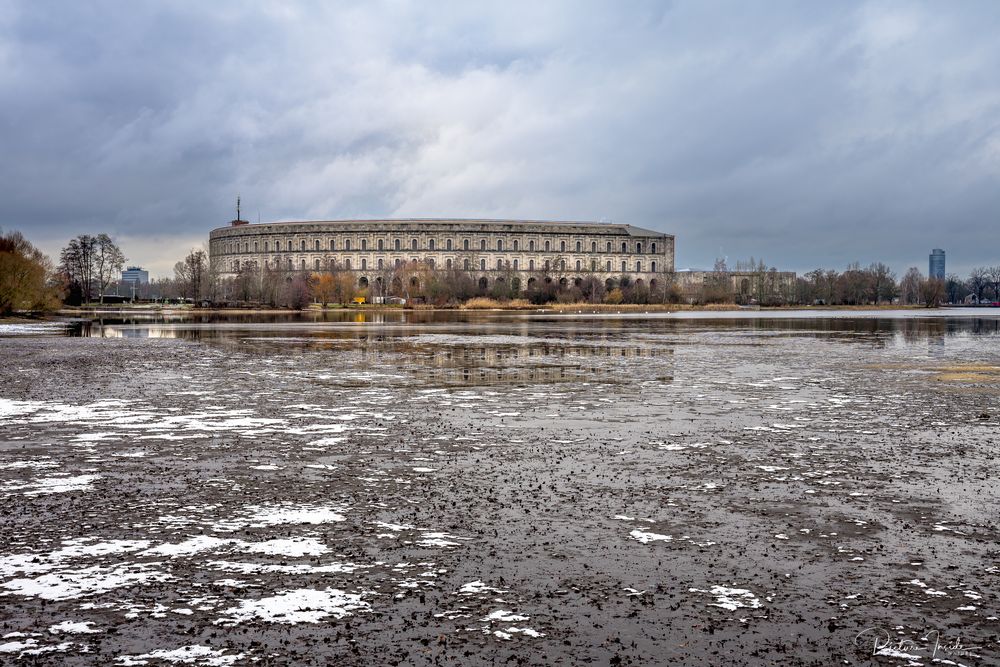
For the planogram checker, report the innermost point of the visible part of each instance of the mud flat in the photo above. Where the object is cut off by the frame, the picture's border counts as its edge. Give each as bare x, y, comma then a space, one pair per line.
501, 489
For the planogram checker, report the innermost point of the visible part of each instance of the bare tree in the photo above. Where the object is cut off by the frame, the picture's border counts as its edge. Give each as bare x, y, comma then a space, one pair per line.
909, 287
932, 292
994, 274
191, 273
108, 262
978, 280
76, 263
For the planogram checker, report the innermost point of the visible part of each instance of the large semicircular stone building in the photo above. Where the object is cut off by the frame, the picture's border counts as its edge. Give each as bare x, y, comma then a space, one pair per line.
489, 250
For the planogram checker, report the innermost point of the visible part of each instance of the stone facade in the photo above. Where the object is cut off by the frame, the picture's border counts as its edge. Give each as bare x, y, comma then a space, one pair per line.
487, 249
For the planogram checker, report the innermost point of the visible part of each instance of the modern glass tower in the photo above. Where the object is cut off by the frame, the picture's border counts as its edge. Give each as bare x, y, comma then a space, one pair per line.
936, 267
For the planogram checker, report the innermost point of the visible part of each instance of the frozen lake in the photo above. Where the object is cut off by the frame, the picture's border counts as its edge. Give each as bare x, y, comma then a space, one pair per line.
478, 488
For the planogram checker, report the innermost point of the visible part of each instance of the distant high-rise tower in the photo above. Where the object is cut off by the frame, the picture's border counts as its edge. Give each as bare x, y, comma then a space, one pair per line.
936, 269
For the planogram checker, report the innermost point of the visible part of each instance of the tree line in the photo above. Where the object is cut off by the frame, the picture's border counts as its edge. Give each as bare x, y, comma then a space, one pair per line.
90, 264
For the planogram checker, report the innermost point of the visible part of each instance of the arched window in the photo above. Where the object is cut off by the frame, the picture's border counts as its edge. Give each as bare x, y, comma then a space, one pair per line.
593, 246
398, 262
578, 265
515, 261
364, 244
448, 244
546, 246
531, 245
397, 244
652, 247
593, 265
482, 265
333, 244
652, 266
515, 245
546, 265
364, 264
482, 244
347, 264
608, 269
447, 263
302, 246
465, 244
638, 267
562, 246
430, 244
255, 246
624, 246
579, 246
289, 248
317, 244
562, 264
609, 247
380, 264
303, 262
499, 264
466, 265
347, 244
381, 244
499, 245
624, 267
290, 267
531, 265
316, 263
638, 246
265, 246
413, 244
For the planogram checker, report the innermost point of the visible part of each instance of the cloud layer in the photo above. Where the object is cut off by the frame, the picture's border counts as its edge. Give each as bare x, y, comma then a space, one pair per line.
810, 134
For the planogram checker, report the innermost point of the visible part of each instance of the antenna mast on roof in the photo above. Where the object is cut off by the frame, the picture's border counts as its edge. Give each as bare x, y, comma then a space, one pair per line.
238, 206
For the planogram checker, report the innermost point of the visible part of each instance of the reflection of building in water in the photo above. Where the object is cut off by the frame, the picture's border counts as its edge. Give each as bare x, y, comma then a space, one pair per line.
537, 364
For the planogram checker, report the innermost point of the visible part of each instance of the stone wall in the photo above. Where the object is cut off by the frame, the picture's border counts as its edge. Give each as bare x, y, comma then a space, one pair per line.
485, 248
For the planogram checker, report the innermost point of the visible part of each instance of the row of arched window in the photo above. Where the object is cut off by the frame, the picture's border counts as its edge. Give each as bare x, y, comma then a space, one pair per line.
501, 265
397, 244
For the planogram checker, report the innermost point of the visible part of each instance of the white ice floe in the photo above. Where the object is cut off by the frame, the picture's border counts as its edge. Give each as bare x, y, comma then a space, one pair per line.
530, 632
478, 588
396, 527
646, 538
186, 655
443, 540
32, 647
422, 469
503, 616
73, 627
34, 563
730, 598
304, 605
45, 485
69, 584
263, 516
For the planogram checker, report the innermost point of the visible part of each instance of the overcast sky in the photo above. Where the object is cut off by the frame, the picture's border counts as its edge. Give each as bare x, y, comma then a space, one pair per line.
807, 133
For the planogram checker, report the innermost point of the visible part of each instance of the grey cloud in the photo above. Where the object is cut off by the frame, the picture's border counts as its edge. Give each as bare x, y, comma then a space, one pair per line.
806, 133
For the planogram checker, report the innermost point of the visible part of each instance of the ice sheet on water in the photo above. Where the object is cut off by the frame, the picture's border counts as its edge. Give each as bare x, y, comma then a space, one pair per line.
187, 655
278, 514
45, 485
73, 627
478, 588
730, 598
304, 605
70, 584
33, 563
